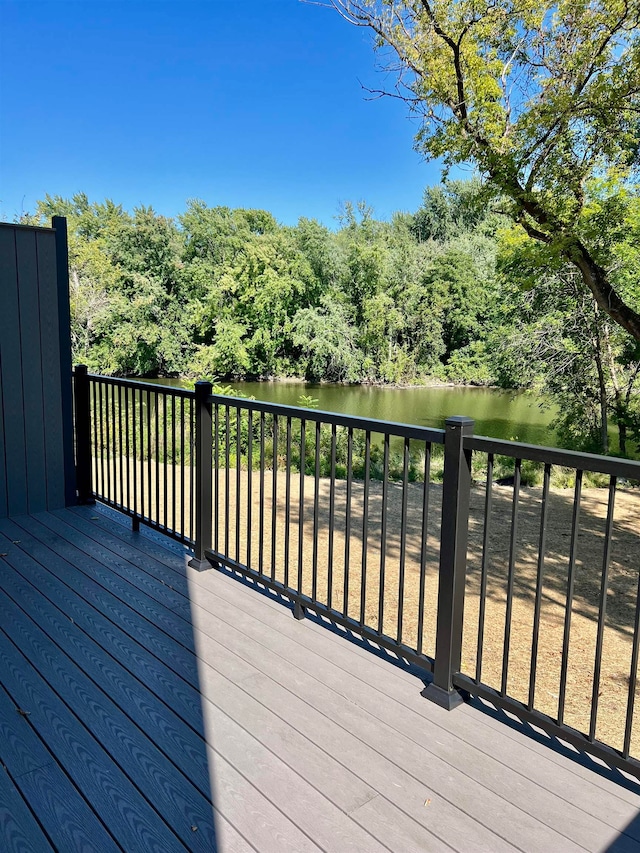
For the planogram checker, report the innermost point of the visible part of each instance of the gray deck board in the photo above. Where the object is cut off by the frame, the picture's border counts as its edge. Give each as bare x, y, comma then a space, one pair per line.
564, 794
566, 809
18, 828
169, 793
196, 700
396, 760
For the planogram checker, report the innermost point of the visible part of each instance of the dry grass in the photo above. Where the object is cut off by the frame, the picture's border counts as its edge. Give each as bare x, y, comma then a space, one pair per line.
250, 513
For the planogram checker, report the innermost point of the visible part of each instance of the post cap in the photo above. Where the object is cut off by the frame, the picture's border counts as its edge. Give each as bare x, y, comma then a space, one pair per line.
203, 388
460, 422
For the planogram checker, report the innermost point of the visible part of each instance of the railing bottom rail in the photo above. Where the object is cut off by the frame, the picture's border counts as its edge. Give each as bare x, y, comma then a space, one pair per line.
303, 603
581, 742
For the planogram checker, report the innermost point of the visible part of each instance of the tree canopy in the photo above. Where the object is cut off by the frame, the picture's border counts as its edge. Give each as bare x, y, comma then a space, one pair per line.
543, 98
453, 292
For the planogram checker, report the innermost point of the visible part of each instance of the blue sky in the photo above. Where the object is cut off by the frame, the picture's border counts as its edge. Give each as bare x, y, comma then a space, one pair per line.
245, 103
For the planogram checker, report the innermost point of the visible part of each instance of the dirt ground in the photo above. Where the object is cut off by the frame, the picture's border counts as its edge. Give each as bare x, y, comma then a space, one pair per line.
246, 525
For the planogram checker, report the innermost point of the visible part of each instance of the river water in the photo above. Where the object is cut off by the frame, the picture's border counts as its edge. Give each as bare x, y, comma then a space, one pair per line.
501, 414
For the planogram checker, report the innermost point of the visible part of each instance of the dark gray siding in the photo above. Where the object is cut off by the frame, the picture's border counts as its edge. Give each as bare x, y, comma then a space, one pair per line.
36, 439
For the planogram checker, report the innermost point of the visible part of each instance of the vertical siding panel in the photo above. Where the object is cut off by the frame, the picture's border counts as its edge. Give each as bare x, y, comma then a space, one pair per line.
29, 305
59, 224
11, 365
3, 468
50, 369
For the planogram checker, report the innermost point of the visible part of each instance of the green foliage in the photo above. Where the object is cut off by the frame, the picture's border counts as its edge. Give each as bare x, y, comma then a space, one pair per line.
543, 100
306, 401
449, 293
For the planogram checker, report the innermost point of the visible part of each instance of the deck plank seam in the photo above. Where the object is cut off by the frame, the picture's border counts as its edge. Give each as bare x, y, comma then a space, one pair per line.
107, 515
304, 782
12, 778
419, 824
96, 534
101, 687
341, 640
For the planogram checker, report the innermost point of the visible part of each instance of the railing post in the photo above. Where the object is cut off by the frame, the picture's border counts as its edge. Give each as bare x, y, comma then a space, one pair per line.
453, 563
82, 404
203, 471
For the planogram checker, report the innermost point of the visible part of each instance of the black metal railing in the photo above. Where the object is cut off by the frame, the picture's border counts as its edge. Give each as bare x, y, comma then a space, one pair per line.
553, 595
136, 443
457, 552
333, 512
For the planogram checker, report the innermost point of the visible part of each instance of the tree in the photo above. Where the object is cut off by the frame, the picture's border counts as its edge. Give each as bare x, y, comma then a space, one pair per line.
541, 98
556, 340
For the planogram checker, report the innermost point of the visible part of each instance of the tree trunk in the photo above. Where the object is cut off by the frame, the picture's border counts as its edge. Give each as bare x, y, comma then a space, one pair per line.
607, 298
622, 435
596, 343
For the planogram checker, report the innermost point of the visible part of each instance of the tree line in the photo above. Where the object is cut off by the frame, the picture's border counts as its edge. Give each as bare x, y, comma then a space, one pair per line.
454, 292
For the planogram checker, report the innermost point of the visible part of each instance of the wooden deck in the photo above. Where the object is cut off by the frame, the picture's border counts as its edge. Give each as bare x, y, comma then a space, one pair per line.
145, 706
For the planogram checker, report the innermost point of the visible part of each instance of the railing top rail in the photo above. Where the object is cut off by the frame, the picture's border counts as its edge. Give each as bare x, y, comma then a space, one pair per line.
137, 383
555, 456
435, 436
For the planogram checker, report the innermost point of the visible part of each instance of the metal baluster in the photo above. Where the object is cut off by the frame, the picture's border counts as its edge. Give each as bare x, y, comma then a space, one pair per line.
165, 478
316, 504
121, 392
249, 484
488, 500
303, 427
173, 464
149, 479
403, 537
539, 579
227, 476
182, 469
274, 497
127, 448
107, 444
238, 471
216, 476
287, 501
261, 510
423, 545
101, 410
602, 612
134, 452
114, 443
383, 534
633, 677
192, 478
569, 602
347, 528
332, 514
156, 466
94, 452
510, 577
